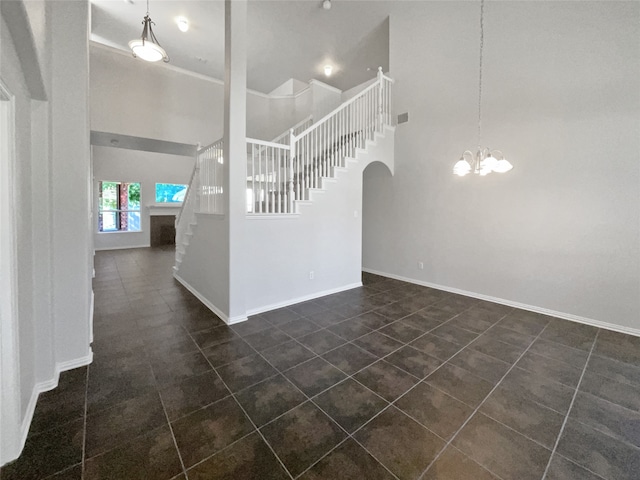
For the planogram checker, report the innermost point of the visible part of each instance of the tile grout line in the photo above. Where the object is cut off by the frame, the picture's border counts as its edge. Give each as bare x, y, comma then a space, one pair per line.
289, 381
164, 409
482, 402
573, 399
597, 475
310, 399
316, 355
444, 362
233, 395
390, 404
173, 436
420, 380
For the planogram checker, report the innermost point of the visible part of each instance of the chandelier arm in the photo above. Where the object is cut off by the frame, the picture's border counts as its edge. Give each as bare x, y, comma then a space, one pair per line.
145, 29
496, 154
165, 59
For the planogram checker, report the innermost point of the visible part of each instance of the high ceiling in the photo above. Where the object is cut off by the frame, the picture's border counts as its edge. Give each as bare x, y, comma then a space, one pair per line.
287, 38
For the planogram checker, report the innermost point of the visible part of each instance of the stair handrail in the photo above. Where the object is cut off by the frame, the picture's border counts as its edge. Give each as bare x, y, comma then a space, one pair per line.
317, 150
363, 92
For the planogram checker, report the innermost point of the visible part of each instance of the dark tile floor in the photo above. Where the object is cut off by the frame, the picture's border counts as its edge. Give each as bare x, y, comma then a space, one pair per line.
390, 380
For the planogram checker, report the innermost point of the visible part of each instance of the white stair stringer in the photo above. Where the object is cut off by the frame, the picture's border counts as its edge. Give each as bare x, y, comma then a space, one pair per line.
182, 246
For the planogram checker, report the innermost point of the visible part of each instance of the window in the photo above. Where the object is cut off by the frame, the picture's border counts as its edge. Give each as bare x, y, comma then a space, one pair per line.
119, 207
170, 193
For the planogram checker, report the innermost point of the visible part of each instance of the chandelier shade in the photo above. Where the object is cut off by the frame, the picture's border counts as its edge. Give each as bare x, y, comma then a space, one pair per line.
484, 162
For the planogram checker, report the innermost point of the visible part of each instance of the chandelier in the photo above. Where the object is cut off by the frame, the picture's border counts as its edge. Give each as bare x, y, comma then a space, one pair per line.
147, 46
485, 160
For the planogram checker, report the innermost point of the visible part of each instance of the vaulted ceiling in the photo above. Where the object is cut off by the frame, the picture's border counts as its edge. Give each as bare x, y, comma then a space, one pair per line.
287, 38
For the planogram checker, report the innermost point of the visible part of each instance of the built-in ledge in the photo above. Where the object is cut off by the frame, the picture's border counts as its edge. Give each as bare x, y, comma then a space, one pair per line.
164, 208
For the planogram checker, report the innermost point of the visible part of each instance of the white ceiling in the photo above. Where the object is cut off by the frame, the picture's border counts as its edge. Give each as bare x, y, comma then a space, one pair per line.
287, 38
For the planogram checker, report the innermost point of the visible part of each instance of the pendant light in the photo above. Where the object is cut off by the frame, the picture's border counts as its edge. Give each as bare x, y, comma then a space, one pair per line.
485, 160
147, 46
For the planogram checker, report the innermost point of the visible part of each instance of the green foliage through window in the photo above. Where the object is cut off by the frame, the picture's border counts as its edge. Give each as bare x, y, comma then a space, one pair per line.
119, 207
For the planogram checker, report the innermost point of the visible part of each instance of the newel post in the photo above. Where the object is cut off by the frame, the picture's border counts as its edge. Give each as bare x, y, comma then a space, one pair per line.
292, 153
380, 99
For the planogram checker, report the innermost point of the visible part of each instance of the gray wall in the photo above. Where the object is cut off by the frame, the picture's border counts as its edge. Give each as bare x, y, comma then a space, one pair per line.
562, 100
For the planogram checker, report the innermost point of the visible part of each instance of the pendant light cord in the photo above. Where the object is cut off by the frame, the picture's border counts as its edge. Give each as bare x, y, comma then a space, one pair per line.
480, 70
147, 8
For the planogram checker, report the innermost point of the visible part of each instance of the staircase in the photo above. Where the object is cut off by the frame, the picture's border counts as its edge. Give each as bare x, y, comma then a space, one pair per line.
313, 169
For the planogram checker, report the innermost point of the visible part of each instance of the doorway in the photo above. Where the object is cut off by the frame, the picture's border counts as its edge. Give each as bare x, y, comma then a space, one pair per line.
9, 353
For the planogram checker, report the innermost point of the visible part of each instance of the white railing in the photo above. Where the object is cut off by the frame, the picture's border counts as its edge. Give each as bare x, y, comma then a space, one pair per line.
268, 188
205, 193
211, 176
279, 174
283, 170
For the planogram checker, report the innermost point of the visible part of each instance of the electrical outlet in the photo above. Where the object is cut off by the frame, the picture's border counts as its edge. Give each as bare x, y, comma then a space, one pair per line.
421, 265
311, 275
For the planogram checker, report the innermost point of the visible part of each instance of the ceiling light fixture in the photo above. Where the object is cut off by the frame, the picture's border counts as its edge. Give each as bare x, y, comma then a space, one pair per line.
183, 24
485, 160
147, 46
326, 4
328, 69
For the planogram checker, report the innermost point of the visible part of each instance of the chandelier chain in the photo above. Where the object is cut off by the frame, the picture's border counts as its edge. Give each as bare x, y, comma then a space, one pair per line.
480, 70
147, 7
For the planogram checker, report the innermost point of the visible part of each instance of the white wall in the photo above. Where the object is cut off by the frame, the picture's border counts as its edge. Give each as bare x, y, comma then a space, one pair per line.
70, 172
146, 168
52, 197
325, 99
561, 98
12, 77
205, 269
133, 97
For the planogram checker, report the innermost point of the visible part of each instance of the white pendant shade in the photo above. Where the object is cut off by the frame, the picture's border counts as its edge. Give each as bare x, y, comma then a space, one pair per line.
147, 50
502, 166
461, 168
488, 163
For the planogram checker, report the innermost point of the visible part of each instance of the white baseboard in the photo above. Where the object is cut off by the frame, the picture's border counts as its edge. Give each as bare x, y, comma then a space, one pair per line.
522, 306
92, 306
102, 249
293, 301
207, 303
45, 386
241, 318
